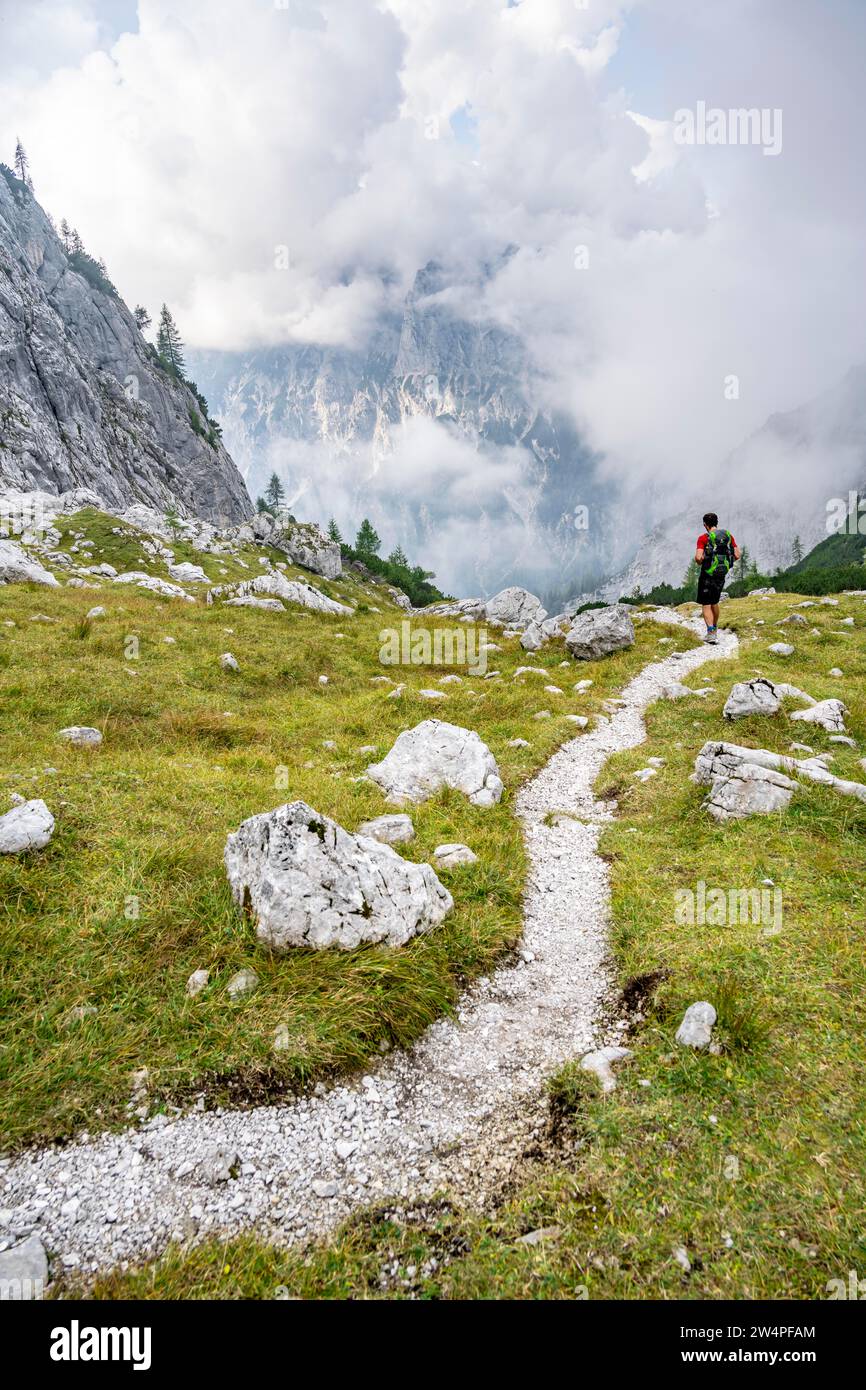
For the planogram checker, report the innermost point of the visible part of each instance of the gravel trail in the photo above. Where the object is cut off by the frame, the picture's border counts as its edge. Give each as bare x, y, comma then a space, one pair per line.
451, 1112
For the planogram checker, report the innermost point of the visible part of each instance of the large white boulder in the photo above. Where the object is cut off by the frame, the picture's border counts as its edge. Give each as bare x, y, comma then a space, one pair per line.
752, 697
308, 882
514, 607
17, 567
29, 826
599, 632
433, 755
187, 573
829, 714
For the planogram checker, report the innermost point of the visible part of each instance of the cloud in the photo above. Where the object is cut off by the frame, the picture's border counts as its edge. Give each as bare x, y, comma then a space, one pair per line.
278, 174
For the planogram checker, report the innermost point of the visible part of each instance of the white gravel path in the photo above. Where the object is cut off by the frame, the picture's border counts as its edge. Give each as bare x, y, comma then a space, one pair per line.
449, 1113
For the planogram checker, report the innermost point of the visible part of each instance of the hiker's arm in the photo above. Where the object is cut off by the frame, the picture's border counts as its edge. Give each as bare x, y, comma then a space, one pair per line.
736, 552
699, 555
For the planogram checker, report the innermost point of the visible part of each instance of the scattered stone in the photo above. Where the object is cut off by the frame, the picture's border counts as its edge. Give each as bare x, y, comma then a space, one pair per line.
781, 649
245, 982
679, 1252
219, 1166
599, 1063
308, 882
835, 672
187, 573
389, 830
228, 662
696, 1029
829, 714
519, 743
579, 719
449, 856
544, 1233
97, 612
435, 754
197, 982
81, 737
26, 827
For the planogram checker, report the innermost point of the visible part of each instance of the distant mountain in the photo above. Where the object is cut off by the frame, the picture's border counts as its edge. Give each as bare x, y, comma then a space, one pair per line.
773, 489
84, 402
433, 431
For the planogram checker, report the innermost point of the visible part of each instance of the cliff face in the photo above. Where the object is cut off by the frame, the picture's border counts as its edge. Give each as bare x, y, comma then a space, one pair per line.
83, 400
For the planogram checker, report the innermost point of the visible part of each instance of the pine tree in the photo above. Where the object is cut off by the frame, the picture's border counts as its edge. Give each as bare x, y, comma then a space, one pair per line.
367, 541
275, 494
169, 344
334, 532
796, 550
261, 504
76, 245
22, 165
398, 557
743, 562
142, 317
66, 236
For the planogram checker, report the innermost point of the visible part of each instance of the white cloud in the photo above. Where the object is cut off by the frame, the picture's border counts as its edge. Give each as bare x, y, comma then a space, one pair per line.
190, 151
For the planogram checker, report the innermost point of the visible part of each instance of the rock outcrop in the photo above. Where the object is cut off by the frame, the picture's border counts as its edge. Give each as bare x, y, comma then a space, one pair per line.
85, 401
308, 882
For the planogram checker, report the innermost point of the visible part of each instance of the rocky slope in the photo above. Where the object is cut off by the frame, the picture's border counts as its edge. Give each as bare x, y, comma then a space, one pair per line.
84, 402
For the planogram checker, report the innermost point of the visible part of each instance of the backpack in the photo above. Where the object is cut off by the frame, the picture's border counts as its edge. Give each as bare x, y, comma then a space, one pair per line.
718, 553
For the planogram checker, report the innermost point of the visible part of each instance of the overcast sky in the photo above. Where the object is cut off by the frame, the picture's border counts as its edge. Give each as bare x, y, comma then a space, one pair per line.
188, 140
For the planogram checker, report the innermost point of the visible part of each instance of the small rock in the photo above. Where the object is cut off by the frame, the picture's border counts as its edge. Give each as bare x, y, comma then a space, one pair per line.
449, 856
599, 1063
197, 982
389, 830
228, 662
80, 736
242, 984
696, 1029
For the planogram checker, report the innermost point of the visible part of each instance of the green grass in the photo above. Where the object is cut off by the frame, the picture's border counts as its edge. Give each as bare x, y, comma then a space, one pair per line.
751, 1158
100, 931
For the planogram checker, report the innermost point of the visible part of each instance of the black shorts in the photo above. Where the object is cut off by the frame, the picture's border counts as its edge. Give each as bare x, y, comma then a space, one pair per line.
710, 587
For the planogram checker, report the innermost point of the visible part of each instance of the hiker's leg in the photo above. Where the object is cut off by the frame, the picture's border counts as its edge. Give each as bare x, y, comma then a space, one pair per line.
715, 608
709, 617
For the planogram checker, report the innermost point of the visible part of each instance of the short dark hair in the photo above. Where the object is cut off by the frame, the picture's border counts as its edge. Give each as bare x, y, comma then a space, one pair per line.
710, 520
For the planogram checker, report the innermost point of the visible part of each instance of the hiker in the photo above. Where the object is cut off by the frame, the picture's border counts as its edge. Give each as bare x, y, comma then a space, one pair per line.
716, 552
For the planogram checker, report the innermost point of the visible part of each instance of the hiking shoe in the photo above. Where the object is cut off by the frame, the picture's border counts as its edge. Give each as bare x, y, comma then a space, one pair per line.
712, 637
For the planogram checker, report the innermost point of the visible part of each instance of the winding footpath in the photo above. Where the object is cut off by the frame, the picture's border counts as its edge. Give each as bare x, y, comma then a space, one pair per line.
451, 1113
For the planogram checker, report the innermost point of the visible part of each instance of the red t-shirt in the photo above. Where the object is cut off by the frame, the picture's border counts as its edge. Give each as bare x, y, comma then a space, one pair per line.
702, 540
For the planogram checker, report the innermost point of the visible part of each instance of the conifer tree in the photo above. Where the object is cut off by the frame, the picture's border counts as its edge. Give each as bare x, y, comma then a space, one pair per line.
169, 344
22, 165
367, 541
275, 494
142, 317
334, 532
